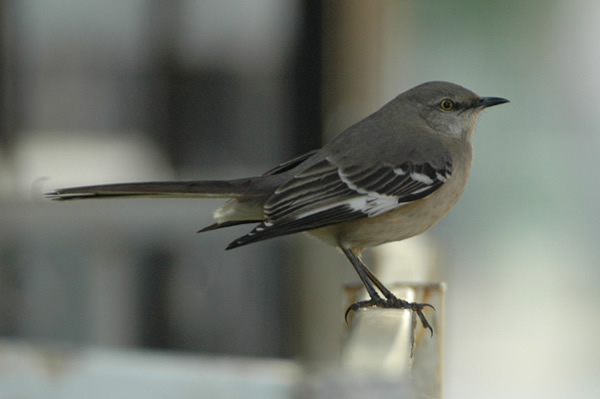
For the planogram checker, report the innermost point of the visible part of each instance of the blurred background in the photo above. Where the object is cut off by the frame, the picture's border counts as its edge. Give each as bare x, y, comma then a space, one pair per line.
108, 91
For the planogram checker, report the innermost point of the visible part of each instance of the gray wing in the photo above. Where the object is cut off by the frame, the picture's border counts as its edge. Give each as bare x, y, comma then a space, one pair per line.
327, 193
288, 165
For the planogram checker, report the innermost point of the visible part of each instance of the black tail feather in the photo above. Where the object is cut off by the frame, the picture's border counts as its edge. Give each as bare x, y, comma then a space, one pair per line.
230, 223
173, 189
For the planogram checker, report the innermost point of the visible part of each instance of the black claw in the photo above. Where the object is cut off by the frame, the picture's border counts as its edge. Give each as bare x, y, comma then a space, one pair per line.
428, 305
360, 304
418, 309
424, 321
350, 308
394, 303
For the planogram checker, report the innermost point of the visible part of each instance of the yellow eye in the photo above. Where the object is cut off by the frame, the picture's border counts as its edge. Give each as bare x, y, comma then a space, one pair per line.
446, 104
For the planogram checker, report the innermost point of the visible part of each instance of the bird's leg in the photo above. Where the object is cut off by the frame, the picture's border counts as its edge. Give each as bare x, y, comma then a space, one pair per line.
391, 301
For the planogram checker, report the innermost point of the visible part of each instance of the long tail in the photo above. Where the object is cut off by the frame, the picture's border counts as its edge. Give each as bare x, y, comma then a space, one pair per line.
172, 189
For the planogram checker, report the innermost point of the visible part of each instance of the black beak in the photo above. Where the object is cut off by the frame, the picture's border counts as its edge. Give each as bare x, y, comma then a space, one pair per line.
491, 101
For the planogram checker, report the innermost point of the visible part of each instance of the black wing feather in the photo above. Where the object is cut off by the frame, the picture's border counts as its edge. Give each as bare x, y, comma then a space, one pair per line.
320, 196
264, 231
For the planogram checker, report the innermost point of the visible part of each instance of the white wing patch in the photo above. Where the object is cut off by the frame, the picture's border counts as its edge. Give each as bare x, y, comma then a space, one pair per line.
441, 177
399, 171
371, 203
421, 178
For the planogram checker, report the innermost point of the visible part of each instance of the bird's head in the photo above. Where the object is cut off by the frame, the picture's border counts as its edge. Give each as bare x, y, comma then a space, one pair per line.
449, 108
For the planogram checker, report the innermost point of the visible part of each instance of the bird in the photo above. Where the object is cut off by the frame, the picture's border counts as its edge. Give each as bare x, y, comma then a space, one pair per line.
388, 177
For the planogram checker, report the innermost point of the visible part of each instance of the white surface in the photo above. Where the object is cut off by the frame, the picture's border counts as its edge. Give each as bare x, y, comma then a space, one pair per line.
31, 372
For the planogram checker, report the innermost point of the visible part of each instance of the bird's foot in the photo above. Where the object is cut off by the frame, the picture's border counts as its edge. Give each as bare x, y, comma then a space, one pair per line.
393, 303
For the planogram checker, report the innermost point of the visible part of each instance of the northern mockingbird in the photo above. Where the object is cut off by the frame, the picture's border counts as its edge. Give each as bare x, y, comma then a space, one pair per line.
389, 177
